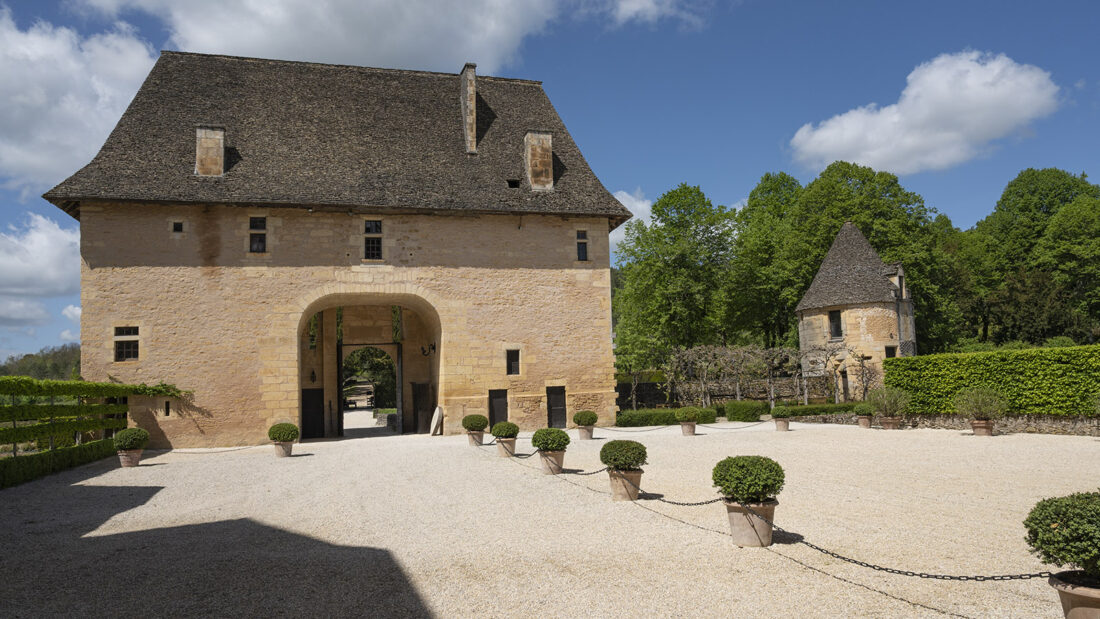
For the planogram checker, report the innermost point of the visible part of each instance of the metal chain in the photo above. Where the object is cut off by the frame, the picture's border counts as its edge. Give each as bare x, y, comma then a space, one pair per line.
740, 428
680, 503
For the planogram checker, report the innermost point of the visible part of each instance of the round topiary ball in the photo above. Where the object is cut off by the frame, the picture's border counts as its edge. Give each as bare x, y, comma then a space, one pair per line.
550, 439
475, 423
283, 433
131, 438
1066, 531
623, 455
748, 479
505, 429
687, 414
585, 418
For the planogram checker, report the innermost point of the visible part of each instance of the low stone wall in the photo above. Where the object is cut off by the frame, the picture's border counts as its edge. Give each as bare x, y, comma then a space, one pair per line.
1033, 424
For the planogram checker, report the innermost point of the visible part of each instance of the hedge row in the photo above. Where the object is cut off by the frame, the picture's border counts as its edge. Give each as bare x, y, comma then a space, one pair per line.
742, 410
27, 386
28, 412
814, 409
1038, 381
659, 417
23, 434
25, 468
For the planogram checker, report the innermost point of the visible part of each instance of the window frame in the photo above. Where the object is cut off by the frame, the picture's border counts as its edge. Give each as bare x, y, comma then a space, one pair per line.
373, 248
582, 245
511, 364
836, 333
890, 352
257, 239
124, 337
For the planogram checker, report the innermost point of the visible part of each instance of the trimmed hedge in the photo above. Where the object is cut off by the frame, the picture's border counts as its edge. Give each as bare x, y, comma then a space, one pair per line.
1037, 381
131, 438
505, 429
27, 386
623, 455
743, 410
659, 417
585, 418
22, 469
28, 412
475, 423
550, 439
1066, 530
283, 433
748, 479
24, 434
813, 409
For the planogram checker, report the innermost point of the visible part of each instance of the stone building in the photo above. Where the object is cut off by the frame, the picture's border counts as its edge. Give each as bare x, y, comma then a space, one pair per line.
856, 313
249, 223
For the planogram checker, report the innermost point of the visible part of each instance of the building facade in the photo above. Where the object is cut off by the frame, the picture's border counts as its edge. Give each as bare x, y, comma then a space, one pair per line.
249, 223
856, 312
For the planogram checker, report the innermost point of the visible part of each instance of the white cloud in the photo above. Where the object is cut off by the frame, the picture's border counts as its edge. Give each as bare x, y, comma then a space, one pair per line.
72, 312
41, 259
623, 11
22, 313
951, 110
69, 336
637, 204
62, 95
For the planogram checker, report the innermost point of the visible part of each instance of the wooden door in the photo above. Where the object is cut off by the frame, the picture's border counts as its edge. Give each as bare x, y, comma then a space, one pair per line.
313, 413
422, 406
498, 406
555, 407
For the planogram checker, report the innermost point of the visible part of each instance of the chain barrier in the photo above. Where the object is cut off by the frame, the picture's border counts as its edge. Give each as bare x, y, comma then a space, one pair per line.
670, 501
738, 428
634, 431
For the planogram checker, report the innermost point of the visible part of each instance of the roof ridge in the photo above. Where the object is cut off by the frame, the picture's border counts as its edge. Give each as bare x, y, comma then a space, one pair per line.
169, 52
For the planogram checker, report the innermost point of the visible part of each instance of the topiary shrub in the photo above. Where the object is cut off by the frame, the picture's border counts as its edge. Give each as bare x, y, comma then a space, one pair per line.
744, 410
623, 455
283, 433
658, 417
888, 401
748, 479
1066, 531
505, 429
550, 439
131, 438
783, 412
585, 418
475, 423
687, 414
981, 403
864, 409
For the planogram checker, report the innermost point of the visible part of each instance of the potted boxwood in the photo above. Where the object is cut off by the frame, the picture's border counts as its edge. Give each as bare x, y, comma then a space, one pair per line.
864, 412
983, 405
585, 420
1066, 531
890, 404
687, 417
129, 444
551, 443
782, 415
475, 428
624, 460
749, 485
283, 435
505, 433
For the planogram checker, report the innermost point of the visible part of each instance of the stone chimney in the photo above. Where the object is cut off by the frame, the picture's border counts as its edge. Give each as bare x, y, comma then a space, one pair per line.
209, 150
539, 157
468, 78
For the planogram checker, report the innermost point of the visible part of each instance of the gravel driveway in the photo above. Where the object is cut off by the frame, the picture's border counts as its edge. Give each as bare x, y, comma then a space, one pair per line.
419, 525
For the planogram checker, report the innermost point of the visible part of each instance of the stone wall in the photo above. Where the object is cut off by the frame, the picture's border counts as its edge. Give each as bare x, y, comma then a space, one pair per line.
230, 325
868, 328
1030, 424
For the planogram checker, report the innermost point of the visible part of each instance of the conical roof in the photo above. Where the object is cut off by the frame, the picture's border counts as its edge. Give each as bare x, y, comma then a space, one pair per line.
852, 272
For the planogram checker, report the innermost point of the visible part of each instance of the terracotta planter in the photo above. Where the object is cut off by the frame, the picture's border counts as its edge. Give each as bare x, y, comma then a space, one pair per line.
891, 423
1080, 598
783, 425
749, 529
625, 484
282, 450
551, 461
129, 457
982, 427
475, 437
506, 447
864, 421
688, 428
584, 433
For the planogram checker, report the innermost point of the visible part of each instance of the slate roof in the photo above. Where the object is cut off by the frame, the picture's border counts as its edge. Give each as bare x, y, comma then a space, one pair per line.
306, 134
852, 272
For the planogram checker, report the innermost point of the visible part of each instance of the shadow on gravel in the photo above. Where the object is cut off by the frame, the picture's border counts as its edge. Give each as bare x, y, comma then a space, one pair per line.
649, 496
786, 537
233, 567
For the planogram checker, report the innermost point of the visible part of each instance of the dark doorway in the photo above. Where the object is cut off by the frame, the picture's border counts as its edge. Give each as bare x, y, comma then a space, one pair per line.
844, 384
423, 406
313, 413
498, 406
555, 407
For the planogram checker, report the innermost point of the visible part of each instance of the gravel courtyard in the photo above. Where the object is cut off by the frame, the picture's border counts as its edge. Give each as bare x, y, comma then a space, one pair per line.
419, 525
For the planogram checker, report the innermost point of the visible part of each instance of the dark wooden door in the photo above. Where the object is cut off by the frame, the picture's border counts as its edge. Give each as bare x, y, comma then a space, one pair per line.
498, 406
313, 413
844, 384
555, 407
422, 406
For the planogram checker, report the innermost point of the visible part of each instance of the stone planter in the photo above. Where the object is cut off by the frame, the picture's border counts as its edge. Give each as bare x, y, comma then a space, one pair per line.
891, 423
506, 447
783, 425
982, 427
584, 433
864, 421
625, 484
551, 461
688, 428
283, 450
1080, 598
749, 529
129, 457
475, 438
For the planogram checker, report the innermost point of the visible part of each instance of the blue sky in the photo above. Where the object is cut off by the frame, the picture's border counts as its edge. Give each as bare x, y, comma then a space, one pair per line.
956, 97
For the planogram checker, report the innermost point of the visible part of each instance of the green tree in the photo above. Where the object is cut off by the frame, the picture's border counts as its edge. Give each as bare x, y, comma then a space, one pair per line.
1070, 251
373, 365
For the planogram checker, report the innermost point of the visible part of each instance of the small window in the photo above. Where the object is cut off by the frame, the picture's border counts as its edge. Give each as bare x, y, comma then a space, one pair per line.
513, 362
372, 248
582, 251
124, 331
513, 183
891, 351
257, 223
257, 243
372, 227
177, 226
835, 329
167, 408
582, 235
126, 350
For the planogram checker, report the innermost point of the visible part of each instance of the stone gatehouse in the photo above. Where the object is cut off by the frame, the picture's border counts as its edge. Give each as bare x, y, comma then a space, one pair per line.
240, 204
